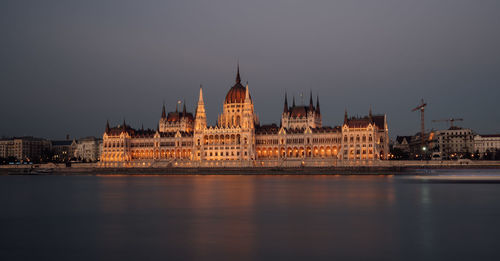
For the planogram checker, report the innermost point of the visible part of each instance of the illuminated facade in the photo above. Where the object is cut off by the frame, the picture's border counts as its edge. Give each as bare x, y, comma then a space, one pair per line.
238, 139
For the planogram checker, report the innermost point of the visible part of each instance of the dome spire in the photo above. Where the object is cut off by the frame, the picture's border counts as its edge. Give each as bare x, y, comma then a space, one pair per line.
238, 78
163, 113
293, 101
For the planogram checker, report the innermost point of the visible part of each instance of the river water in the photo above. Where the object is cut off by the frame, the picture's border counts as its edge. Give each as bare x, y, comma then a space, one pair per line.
241, 217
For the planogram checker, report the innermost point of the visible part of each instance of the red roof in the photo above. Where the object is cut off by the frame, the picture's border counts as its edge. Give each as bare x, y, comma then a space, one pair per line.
236, 94
377, 120
177, 116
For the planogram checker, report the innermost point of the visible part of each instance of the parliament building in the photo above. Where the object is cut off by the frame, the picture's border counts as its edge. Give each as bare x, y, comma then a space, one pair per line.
182, 139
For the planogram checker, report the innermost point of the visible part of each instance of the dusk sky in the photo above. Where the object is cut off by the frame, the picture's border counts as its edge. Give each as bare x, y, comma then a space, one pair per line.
68, 66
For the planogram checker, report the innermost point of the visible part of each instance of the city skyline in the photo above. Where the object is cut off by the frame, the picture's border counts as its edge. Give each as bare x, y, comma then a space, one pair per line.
67, 68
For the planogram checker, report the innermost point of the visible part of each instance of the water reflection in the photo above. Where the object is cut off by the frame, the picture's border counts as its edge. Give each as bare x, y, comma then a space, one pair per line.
246, 218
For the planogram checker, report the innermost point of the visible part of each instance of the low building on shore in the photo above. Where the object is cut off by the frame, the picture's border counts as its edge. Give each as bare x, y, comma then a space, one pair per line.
455, 142
27, 149
87, 149
487, 144
63, 150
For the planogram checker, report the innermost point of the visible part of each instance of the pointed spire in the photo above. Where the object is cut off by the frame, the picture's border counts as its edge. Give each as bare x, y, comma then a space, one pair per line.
293, 101
107, 126
163, 113
247, 93
370, 114
311, 106
285, 109
177, 106
200, 99
124, 126
200, 120
142, 126
317, 105
345, 116
184, 109
238, 78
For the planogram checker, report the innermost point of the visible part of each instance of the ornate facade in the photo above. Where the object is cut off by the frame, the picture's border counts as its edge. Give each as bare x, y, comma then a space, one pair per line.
238, 139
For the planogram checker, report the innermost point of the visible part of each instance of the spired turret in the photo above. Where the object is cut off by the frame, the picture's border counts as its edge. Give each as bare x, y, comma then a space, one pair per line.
249, 120
311, 106
285, 109
234, 136
237, 92
200, 121
176, 121
107, 127
163, 113
317, 105
301, 117
238, 101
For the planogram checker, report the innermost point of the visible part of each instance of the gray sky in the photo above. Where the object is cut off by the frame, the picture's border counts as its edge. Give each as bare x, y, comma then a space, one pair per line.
67, 66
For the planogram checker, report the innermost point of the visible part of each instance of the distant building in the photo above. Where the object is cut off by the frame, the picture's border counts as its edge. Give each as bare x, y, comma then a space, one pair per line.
402, 143
63, 150
87, 149
7, 148
455, 142
365, 138
486, 143
24, 148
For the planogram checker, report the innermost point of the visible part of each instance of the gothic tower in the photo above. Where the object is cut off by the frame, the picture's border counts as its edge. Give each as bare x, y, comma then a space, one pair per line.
200, 121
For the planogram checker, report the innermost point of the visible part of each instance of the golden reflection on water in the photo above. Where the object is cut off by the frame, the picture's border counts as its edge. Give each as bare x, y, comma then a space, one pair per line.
222, 215
112, 194
227, 210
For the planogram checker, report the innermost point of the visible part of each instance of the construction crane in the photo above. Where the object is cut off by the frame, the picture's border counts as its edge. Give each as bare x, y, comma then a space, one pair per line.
421, 107
450, 120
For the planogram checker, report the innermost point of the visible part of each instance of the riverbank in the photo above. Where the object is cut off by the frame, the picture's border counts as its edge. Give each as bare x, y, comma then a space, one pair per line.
382, 168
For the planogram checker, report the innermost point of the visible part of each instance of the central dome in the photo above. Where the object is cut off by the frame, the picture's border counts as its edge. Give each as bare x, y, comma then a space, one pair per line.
237, 93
